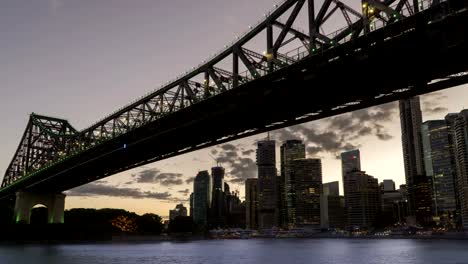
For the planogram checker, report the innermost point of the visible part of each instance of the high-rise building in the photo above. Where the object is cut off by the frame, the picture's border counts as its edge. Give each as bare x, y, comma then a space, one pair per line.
332, 206
202, 190
362, 199
461, 155
388, 185
191, 204
331, 188
251, 220
306, 174
290, 150
450, 121
180, 210
267, 185
350, 160
438, 163
218, 211
419, 199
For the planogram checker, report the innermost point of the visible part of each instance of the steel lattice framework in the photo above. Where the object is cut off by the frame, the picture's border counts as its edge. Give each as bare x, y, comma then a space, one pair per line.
48, 141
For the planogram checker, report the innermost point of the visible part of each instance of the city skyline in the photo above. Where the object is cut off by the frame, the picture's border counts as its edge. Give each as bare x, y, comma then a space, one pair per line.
58, 96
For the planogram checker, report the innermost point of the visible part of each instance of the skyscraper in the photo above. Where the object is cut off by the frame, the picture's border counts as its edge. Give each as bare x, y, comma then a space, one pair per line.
362, 199
251, 201
202, 189
290, 150
267, 185
438, 165
419, 200
350, 160
218, 207
461, 154
191, 204
331, 188
306, 174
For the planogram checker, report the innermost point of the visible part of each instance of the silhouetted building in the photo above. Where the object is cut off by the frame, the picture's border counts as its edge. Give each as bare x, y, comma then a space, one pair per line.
460, 128
218, 212
362, 199
350, 160
290, 150
389, 199
438, 163
202, 189
191, 204
251, 202
387, 185
450, 121
306, 174
331, 188
180, 210
419, 199
267, 185
332, 206
235, 214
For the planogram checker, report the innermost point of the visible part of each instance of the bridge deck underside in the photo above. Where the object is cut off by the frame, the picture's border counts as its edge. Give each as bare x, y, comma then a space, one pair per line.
405, 55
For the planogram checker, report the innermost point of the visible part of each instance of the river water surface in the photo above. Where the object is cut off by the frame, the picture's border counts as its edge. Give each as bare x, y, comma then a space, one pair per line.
284, 251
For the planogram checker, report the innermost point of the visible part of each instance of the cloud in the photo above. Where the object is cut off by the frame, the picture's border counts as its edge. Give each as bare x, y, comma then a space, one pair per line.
190, 180
156, 176
97, 189
344, 132
431, 103
185, 192
235, 158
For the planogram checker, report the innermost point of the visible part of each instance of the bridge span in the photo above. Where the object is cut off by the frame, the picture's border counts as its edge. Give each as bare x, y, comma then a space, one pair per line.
389, 50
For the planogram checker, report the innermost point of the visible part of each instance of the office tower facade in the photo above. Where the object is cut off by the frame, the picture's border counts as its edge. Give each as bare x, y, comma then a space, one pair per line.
180, 210
306, 174
461, 155
418, 187
331, 188
251, 202
217, 212
202, 190
267, 184
389, 199
191, 204
438, 164
388, 185
290, 150
362, 199
350, 161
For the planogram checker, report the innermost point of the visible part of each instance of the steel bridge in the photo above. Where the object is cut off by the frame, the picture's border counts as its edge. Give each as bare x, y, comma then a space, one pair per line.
389, 50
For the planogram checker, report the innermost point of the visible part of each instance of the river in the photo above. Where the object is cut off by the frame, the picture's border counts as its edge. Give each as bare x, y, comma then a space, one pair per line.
281, 251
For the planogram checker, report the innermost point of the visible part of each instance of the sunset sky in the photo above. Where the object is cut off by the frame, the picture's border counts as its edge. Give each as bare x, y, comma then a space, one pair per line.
81, 60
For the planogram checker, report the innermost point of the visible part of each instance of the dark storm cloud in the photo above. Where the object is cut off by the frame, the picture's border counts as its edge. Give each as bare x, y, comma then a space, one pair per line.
156, 176
96, 189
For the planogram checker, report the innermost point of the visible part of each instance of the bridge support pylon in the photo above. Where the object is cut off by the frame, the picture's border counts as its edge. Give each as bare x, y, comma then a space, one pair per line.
25, 201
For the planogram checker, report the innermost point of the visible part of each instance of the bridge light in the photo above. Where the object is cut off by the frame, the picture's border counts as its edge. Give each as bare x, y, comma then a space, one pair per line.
364, 5
125, 146
371, 10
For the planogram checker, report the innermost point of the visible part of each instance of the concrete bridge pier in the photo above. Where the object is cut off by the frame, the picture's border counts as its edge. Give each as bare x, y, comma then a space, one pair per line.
25, 201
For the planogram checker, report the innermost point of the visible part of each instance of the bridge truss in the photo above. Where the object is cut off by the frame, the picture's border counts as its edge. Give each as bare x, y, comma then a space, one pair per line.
48, 141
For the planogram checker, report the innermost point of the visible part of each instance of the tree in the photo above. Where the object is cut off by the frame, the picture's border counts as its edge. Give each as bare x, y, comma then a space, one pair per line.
149, 224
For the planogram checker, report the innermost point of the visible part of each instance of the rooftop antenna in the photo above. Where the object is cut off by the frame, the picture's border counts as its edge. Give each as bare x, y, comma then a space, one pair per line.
268, 135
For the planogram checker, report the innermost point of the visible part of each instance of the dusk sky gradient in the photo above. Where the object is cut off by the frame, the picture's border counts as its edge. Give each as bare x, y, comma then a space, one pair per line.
81, 60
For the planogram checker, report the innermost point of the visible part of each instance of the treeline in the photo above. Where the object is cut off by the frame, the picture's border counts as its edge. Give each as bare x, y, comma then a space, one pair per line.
80, 225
